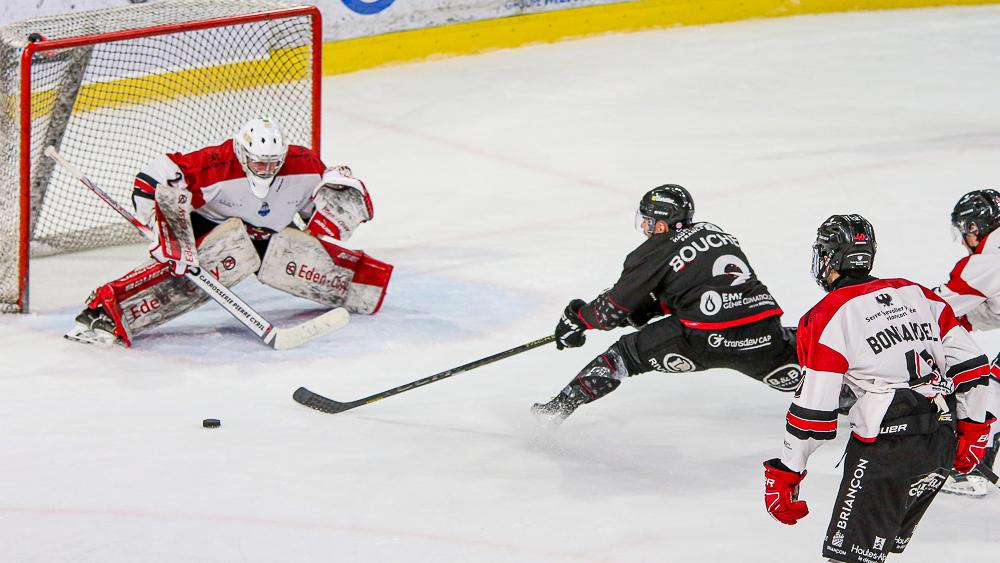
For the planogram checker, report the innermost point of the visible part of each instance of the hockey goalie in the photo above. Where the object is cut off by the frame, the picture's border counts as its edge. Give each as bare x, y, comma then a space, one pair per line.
231, 209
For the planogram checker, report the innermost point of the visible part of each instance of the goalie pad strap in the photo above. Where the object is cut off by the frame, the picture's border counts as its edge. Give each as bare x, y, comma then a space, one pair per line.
149, 296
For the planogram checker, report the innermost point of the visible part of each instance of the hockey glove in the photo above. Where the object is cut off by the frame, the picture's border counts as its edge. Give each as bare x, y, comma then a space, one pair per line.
781, 493
973, 437
167, 248
174, 241
569, 331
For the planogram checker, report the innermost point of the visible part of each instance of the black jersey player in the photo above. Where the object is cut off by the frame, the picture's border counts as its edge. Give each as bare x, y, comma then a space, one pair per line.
892, 354
718, 314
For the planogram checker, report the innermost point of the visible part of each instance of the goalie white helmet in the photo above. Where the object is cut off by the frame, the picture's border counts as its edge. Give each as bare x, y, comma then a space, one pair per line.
260, 146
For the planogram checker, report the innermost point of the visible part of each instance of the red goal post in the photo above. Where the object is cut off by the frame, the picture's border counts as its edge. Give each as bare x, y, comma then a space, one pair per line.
114, 88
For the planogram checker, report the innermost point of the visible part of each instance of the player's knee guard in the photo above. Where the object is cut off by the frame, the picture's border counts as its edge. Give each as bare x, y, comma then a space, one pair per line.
149, 296
326, 273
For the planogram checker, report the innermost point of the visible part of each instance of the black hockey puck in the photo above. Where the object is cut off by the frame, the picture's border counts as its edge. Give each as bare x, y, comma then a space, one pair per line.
211, 423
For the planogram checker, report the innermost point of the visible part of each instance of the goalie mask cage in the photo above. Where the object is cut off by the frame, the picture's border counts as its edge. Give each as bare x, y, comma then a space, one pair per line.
112, 89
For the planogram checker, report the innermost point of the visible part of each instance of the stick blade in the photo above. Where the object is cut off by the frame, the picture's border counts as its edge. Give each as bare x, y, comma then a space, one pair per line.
316, 401
290, 337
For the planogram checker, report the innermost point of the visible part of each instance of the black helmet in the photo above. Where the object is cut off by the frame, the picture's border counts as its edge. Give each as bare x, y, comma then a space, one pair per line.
669, 203
977, 213
845, 243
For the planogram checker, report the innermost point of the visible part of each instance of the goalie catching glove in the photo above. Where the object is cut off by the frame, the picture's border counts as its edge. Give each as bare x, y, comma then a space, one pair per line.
341, 204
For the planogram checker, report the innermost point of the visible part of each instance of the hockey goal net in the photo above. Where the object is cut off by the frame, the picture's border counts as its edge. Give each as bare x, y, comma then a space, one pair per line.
111, 89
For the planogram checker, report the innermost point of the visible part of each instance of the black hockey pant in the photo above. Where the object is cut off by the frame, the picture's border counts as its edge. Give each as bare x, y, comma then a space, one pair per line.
763, 350
887, 486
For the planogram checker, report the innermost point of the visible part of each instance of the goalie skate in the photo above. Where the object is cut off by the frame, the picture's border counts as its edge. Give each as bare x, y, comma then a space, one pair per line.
93, 326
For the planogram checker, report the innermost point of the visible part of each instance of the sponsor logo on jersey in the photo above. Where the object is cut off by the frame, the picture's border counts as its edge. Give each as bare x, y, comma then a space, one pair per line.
673, 363
931, 482
291, 268
786, 378
228, 263
893, 429
896, 334
838, 539
866, 555
853, 486
716, 340
711, 303
884, 299
264, 210
891, 314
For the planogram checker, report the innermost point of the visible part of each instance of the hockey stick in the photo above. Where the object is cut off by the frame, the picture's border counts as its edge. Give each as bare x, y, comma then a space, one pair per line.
988, 473
319, 402
277, 338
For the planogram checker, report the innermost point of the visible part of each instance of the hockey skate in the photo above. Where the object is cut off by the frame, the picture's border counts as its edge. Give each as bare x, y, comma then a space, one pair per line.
554, 412
94, 326
970, 485
973, 484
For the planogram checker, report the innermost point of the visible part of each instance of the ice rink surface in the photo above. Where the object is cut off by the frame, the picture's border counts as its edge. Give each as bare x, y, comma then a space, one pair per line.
505, 185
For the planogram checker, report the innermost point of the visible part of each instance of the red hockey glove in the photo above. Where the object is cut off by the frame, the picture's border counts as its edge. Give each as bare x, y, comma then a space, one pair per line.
972, 442
569, 331
781, 493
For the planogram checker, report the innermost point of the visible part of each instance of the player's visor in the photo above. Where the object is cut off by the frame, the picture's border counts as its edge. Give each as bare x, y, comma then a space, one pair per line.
644, 224
817, 265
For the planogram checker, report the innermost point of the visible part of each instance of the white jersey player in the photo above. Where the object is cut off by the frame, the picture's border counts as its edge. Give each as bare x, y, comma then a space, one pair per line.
229, 209
893, 356
973, 291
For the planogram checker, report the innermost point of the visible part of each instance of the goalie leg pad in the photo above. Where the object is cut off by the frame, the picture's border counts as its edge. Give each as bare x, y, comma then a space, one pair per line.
298, 264
324, 272
149, 296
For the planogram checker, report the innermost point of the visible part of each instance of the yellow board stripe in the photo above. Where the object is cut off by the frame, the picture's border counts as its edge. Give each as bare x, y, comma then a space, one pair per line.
289, 65
282, 66
516, 31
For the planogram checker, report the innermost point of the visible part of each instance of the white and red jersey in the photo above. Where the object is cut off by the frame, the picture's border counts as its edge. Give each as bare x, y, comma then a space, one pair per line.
220, 189
874, 337
973, 288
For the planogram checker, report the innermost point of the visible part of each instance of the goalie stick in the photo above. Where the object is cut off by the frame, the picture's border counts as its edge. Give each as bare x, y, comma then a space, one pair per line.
316, 401
275, 337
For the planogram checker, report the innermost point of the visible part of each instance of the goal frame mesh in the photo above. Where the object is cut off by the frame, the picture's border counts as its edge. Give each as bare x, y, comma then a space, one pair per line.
35, 47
